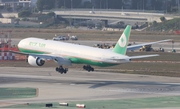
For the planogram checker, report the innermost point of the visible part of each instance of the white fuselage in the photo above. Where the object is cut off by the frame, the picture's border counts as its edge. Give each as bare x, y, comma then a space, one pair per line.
69, 50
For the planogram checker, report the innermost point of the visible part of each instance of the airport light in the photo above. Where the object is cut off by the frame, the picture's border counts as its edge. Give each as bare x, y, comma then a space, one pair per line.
92, 1
122, 4
178, 8
178, 11
143, 5
138, 5
64, 4
40, 23
71, 5
100, 5
107, 3
166, 6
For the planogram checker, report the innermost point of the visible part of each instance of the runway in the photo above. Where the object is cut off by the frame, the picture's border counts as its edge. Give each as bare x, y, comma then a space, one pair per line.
78, 85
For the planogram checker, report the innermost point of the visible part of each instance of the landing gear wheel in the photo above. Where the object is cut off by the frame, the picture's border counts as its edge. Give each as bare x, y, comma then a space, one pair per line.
57, 69
84, 67
65, 70
61, 70
88, 68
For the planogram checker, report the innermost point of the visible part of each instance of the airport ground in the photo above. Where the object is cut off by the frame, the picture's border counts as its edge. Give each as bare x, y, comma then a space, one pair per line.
167, 64
97, 35
147, 83
95, 89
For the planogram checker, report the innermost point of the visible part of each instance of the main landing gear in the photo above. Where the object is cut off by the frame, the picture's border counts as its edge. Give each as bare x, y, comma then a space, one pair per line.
88, 68
61, 70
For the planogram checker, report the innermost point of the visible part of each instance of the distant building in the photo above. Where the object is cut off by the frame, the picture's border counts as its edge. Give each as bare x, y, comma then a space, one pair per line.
15, 3
25, 3
33, 3
8, 2
83, 1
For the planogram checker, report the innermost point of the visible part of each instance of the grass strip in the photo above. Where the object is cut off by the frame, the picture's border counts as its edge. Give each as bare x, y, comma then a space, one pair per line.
13, 93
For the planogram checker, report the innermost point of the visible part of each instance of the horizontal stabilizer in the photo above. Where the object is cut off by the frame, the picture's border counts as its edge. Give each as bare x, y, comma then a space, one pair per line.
143, 56
135, 47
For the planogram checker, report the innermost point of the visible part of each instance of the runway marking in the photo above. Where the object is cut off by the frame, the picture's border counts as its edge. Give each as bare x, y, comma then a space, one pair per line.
136, 91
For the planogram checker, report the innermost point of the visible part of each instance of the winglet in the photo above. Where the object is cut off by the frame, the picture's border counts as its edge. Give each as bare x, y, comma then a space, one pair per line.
121, 45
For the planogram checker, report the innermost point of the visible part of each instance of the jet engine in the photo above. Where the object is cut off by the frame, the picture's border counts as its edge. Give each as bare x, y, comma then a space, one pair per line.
35, 61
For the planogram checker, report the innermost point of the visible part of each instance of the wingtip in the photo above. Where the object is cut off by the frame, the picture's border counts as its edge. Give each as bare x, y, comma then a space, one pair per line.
157, 54
170, 39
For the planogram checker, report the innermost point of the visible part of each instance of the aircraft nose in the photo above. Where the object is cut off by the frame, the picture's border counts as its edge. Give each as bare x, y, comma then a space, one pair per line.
20, 44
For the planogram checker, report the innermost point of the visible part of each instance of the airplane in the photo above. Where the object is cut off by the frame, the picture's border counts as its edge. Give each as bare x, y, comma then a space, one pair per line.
66, 54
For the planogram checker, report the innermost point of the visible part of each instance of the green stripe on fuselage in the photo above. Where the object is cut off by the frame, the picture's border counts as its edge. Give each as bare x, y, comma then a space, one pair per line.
89, 62
74, 60
31, 51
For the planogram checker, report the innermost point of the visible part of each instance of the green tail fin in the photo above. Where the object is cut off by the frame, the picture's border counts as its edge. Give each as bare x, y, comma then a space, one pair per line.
121, 45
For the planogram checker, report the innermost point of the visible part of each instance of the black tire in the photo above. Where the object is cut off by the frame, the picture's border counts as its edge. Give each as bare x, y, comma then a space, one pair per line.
57, 69
61, 71
88, 69
84, 67
66, 69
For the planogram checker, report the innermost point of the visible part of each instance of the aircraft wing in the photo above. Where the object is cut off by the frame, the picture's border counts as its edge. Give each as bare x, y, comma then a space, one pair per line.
44, 56
134, 47
57, 58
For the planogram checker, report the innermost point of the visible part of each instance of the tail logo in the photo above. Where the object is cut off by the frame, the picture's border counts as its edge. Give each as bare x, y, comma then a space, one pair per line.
122, 41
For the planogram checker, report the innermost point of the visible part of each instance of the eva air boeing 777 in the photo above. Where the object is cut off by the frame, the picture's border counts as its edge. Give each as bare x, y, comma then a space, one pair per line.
66, 54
